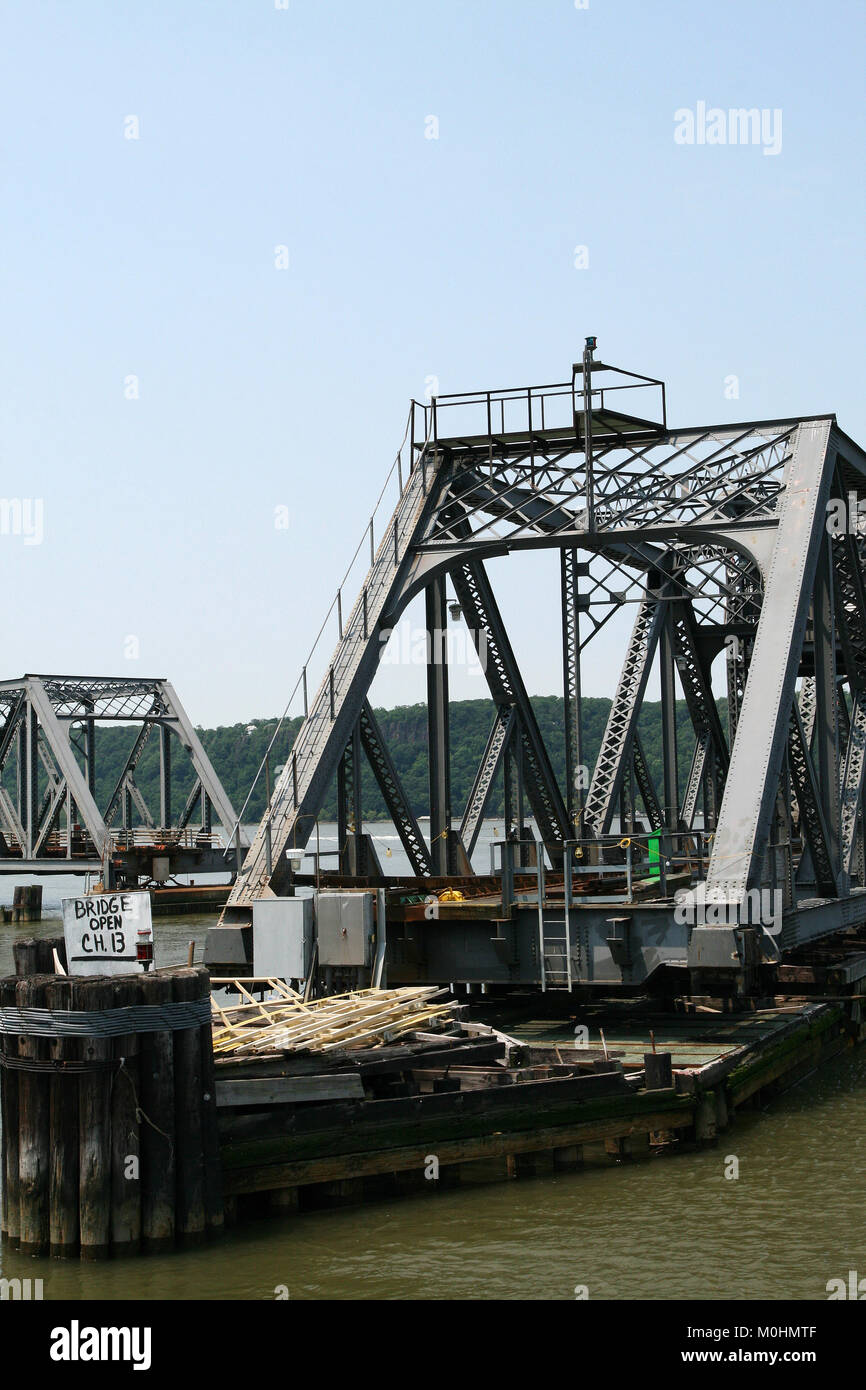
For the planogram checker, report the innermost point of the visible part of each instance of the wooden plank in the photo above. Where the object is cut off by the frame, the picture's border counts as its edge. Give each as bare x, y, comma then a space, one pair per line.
362, 1062
305, 1132
335, 1167
335, 1022
287, 1090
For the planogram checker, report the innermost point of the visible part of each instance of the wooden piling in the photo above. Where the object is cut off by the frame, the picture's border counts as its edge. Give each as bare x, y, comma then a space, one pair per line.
189, 984
63, 1117
34, 955
705, 1119
34, 1105
213, 1190
27, 903
158, 1161
125, 1138
91, 992
567, 1158
9, 1077
283, 1201
658, 1071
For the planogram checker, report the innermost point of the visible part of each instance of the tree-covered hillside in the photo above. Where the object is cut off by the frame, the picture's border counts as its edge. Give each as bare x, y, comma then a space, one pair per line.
237, 750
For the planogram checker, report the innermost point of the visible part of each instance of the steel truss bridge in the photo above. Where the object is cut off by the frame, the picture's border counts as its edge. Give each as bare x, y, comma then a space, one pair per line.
718, 535
50, 821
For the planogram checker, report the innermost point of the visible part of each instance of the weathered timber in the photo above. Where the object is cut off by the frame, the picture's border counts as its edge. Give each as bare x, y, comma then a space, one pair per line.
93, 992
125, 1128
382, 1060
158, 1163
34, 955
756, 1068
288, 1090
187, 984
214, 1207
567, 1158
34, 1106
359, 1164
27, 903
9, 1089
658, 1071
64, 1163
363, 1126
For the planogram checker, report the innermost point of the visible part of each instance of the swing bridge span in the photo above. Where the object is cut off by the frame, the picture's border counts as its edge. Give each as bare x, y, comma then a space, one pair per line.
718, 535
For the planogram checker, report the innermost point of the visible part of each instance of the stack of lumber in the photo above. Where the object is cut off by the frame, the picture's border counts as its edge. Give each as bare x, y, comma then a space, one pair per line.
365, 1018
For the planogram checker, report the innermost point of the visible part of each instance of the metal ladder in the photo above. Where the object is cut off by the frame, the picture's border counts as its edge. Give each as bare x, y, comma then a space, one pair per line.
554, 932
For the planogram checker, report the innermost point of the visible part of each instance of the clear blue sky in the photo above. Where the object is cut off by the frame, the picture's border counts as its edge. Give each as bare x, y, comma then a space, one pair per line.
409, 258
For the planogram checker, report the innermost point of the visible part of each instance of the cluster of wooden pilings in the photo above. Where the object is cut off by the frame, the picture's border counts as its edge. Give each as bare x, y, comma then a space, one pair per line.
110, 1144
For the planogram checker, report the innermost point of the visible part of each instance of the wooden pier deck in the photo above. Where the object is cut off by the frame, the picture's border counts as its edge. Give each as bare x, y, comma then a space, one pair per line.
477, 1104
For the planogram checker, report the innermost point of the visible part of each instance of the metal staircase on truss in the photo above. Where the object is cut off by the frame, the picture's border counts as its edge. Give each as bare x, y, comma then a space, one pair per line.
718, 535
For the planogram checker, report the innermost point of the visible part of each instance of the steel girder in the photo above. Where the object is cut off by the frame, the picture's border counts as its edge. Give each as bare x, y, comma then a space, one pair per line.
619, 732
813, 820
645, 784
391, 788
129, 767
57, 733
852, 783
710, 763
349, 804
498, 745
495, 653
438, 731
196, 792
850, 608
765, 715
570, 572
199, 758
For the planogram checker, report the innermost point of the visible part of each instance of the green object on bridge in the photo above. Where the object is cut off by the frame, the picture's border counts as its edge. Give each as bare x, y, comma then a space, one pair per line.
655, 855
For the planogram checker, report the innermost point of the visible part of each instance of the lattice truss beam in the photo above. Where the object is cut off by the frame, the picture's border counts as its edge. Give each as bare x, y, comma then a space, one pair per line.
717, 537
48, 751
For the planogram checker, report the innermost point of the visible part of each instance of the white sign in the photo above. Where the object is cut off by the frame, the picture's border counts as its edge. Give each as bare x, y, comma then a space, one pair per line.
101, 932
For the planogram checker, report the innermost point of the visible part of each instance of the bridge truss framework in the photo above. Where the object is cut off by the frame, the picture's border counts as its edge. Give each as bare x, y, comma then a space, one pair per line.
50, 821
719, 536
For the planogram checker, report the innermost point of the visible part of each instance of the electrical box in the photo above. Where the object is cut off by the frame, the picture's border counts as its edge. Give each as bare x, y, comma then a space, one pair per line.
345, 928
282, 937
160, 868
